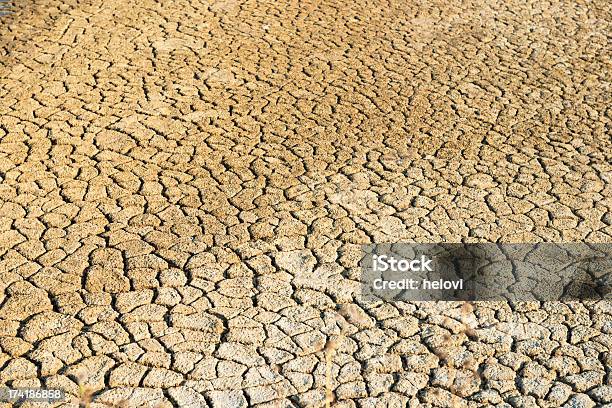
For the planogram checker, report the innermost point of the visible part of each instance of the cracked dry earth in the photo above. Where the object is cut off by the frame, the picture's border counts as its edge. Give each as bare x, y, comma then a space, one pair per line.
185, 186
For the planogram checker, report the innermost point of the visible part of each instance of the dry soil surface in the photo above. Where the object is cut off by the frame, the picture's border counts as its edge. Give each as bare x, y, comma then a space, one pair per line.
184, 186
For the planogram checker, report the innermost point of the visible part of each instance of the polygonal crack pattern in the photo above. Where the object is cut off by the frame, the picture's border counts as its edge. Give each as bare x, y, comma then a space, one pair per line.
185, 185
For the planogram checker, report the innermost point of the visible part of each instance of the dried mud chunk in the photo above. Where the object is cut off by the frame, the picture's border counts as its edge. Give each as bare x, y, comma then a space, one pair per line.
56, 282
356, 315
106, 279
162, 378
90, 372
187, 397
49, 324
297, 263
24, 300
240, 353
127, 374
222, 399
114, 141
18, 369
198, 321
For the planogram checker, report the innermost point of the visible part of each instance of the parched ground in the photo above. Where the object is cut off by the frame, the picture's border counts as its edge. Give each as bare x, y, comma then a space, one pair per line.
184, 186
